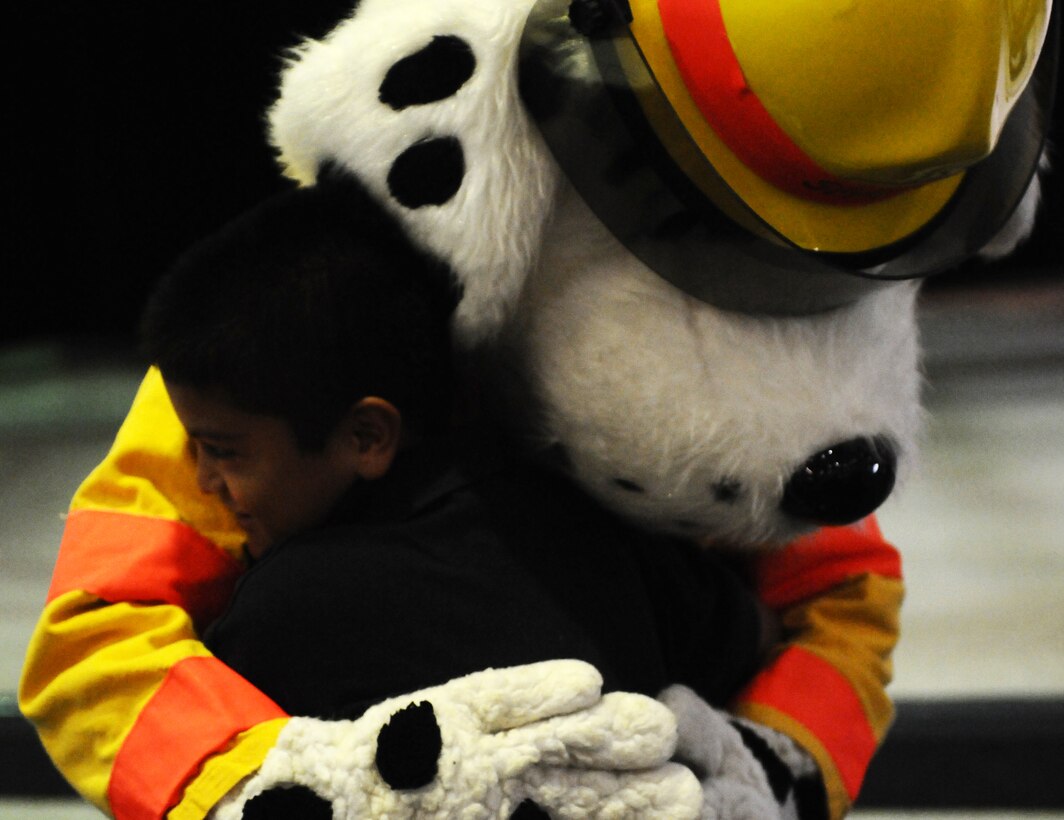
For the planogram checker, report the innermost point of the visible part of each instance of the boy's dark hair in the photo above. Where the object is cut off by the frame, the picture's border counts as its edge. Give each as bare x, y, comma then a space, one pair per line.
310, 301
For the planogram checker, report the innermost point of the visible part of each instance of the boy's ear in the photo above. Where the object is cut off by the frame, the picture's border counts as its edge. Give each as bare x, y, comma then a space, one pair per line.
373, 427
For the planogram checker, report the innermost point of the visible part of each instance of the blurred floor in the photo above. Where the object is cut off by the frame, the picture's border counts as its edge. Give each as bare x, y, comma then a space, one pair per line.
981, 526
68, 810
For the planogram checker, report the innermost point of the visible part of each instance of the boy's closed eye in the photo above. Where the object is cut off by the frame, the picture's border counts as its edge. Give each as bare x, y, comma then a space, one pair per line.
217, 452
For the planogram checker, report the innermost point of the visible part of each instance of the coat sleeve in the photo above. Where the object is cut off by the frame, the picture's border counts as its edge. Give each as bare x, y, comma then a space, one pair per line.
130, 705
838, 593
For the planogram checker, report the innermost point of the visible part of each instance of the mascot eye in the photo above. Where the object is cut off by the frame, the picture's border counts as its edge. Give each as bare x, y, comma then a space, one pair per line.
727, 491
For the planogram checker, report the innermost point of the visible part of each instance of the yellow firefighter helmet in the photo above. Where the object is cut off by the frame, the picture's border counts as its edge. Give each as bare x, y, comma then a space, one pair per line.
884, 138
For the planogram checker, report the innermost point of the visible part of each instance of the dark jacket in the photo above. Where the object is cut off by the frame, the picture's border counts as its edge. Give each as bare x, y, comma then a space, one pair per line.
447, 566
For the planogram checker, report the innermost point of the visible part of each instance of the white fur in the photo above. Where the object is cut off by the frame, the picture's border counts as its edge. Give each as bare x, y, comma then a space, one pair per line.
641, 382
329, 109
634, 379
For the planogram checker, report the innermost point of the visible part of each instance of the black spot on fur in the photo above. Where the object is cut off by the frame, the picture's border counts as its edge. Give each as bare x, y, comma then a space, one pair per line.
432, 74
780, 778
727, 491
630, 486
408, 747
280, 803
528, 810
429, 172
810, 798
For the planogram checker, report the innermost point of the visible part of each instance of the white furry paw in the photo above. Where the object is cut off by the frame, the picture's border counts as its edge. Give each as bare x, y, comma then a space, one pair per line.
748, 772
526, 742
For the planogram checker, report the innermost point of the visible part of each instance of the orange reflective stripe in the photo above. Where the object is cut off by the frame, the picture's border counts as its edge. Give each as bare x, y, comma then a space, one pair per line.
813, 692
122, 557
820, 561
200, 707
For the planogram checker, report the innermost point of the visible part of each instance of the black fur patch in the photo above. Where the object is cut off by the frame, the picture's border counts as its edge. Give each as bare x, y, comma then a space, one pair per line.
810, 798
409, 746
432, 74
429, 172
779, 775
280, 803
528, 810
727, 491
630, 486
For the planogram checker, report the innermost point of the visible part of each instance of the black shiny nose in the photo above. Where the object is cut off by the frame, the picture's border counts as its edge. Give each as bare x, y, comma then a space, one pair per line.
843, 483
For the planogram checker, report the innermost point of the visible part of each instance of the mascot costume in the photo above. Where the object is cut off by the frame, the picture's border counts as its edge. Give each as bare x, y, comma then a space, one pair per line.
685, 233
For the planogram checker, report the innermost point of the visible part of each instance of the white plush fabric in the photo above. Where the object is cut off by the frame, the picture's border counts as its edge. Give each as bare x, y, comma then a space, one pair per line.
542, 732
734, 784
637, 382
329, 109
641, 382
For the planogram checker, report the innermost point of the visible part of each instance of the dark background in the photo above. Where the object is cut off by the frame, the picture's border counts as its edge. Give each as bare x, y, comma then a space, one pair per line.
134, 128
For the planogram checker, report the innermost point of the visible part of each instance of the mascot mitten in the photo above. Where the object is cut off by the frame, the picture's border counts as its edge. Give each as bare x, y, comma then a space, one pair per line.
524, 742
748, 771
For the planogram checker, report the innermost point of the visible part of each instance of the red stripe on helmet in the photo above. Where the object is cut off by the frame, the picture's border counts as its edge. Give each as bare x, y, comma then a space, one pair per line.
715, 80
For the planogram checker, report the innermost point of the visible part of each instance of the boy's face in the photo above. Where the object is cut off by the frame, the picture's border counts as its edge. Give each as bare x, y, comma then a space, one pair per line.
253, 463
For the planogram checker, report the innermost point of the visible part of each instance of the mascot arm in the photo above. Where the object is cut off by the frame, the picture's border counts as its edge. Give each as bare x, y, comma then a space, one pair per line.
839, 593
143, 721
126, 699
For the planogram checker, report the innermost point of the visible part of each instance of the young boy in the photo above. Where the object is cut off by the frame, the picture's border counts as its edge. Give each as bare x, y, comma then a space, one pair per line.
306, 352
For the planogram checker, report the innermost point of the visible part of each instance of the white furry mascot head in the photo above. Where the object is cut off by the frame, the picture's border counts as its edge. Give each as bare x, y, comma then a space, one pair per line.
684, 233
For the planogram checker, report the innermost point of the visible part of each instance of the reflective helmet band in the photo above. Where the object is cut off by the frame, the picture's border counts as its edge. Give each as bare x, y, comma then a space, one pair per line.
714, 78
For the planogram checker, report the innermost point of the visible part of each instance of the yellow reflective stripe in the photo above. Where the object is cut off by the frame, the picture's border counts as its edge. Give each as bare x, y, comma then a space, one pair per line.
855, 628
150, 472
223, 771
90, 669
